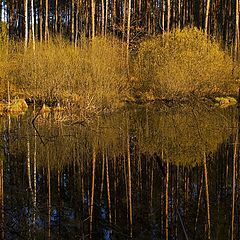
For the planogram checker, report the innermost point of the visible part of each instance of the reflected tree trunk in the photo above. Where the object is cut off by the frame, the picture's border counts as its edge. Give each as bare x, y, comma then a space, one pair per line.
167, 200
34, 183
207, 194
103, 173
2, 198
108, 191
92, 189
198, 205
235, 157
29, 165
49, 198
129, 185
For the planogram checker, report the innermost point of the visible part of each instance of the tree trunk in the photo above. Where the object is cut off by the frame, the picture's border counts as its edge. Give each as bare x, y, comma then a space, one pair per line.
33, 26
102, 15
26, 22
237, 31
40, 20
46, 21
93, 17
128, 25
72, 22
206, 17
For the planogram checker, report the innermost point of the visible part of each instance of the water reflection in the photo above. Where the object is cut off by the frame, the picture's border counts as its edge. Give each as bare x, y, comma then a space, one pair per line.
145, 173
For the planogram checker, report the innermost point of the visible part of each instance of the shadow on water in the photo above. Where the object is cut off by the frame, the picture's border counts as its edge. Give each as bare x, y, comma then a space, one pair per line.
144, 173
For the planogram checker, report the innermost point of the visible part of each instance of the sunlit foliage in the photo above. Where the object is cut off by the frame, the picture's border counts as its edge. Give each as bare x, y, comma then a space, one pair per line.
183, 62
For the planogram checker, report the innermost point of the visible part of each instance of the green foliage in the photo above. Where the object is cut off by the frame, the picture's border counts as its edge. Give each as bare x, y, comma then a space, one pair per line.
181, 63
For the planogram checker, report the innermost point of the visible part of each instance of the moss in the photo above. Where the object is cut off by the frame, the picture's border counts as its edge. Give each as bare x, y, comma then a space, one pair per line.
225, 101
18, 106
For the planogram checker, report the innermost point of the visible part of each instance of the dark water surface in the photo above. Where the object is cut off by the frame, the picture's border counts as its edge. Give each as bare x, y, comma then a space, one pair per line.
169, 172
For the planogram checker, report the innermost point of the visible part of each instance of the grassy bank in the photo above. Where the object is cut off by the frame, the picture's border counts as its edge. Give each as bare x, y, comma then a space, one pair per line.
95, 76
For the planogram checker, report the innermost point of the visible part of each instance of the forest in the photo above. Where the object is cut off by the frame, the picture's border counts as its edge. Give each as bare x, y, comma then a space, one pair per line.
99, 54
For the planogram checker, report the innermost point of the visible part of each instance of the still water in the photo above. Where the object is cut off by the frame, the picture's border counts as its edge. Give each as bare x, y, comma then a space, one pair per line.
163, 172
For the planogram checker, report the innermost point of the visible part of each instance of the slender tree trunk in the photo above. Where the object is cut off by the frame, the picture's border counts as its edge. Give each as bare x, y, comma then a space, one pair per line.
92, 189
40, 20
128, 28
49, 198
108, 191
114, 16
166, 207
235, 157
106, 17
72, 22
46, 21
237, 31
33, 25
206, 17
93, 17
26, 22
129, 182
168, 14
56, 16
124, 19
2, 198
207, 195
102, 15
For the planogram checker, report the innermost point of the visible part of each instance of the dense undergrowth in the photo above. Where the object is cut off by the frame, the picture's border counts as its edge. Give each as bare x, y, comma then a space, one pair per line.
96, 75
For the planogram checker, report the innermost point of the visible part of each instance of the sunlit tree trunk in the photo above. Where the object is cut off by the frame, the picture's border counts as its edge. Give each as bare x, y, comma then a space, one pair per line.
72, 21
128, 29
33, 24
237, 31
40, 20
114, 16
102, 15
26, 22
93, 17
46, 20
56, 16
207, 194
124, 20
106, 17
206, 17
168, 14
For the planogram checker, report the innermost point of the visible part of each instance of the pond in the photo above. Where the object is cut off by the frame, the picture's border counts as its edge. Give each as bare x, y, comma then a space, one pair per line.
147, 172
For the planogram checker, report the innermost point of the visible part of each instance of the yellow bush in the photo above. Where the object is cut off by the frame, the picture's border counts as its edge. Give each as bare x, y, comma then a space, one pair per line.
96, 71
184, 62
